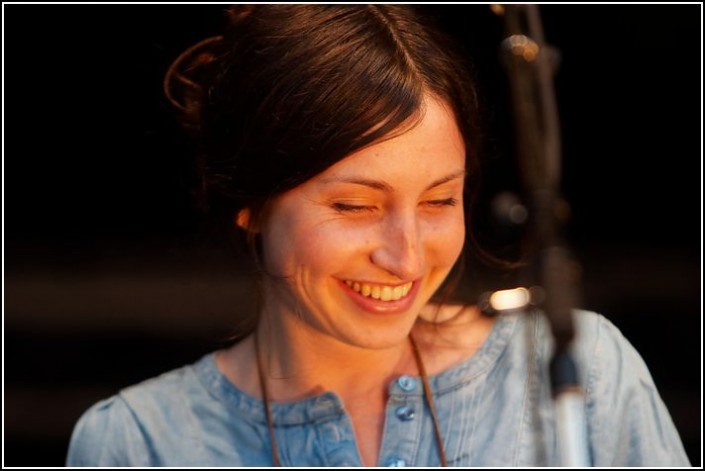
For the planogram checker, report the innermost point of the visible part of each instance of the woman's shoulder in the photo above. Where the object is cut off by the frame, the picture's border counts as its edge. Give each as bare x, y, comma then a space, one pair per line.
175, 385
452, 334
610, 363
598, 345
106, 435
114, 431
601, 346
626, 413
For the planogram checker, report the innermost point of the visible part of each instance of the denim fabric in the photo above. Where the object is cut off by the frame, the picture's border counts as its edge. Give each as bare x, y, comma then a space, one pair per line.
494, 409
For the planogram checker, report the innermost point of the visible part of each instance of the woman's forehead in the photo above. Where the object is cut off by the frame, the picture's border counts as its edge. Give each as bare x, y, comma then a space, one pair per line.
419, 160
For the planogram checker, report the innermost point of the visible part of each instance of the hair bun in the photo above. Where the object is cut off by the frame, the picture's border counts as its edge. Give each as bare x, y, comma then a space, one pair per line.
184, 81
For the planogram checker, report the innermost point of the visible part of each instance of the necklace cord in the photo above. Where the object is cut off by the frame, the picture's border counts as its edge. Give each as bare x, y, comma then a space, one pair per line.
265, 398
428, 395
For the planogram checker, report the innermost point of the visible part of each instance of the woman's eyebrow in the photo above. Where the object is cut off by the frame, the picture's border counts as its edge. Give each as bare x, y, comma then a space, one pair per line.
374, 184
381, 185
447, 178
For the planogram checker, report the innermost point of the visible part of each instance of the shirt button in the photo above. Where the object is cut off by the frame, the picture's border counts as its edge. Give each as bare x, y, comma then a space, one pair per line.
396, 463
407, 383
406, 412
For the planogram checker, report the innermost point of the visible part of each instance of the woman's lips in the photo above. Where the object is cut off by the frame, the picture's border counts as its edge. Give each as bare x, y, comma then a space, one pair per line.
407, 291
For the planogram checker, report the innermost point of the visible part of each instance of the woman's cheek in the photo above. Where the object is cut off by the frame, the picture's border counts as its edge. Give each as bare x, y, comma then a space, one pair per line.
446, 239
326, 247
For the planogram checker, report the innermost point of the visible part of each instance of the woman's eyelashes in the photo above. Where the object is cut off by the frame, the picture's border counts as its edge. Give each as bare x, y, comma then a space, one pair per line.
362, 208
352, 208
443, 202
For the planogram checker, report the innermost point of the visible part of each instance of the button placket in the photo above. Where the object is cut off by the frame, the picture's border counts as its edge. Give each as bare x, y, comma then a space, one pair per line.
335, 437
402, 425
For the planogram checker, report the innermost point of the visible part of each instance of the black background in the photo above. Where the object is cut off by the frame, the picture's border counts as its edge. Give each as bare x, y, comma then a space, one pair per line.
109, 280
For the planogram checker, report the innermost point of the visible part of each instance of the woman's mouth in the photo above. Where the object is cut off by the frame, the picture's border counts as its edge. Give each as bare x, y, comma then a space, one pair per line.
381, 292
382, 298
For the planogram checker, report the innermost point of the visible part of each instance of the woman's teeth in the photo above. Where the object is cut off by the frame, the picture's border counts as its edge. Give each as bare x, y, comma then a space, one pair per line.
381, 292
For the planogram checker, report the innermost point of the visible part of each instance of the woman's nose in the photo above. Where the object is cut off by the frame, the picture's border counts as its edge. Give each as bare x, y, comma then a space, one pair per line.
399, 248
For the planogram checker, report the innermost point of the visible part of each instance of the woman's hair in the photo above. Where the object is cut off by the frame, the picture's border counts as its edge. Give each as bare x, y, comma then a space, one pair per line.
289, 90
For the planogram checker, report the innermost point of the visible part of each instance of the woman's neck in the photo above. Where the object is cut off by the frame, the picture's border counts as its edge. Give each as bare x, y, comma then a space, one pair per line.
300, 362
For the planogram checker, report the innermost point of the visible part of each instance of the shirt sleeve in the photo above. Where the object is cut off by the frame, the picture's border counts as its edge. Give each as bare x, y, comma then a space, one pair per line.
628, 422
107, 435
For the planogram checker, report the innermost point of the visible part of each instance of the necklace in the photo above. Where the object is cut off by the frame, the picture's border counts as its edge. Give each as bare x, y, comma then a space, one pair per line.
428, 395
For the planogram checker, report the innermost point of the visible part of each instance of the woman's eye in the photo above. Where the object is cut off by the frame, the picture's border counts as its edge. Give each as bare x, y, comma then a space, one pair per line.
443, 202
361, 208
351, 208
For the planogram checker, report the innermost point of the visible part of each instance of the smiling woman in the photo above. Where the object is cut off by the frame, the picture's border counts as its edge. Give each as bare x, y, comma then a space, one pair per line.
341, 141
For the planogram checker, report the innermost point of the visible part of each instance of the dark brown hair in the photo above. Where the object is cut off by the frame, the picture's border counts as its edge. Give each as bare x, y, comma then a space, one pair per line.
289, 90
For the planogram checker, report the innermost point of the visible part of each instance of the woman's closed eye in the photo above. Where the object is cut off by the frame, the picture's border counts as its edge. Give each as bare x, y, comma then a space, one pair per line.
442, 202
360, 208
352, 208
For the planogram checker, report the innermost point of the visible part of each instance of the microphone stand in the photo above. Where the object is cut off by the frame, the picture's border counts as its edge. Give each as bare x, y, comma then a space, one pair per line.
530, 65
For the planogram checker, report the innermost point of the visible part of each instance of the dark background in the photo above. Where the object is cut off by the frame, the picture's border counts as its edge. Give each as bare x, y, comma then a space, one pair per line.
109, 278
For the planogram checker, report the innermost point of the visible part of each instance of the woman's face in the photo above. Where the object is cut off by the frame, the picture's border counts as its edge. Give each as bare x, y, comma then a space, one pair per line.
362, 246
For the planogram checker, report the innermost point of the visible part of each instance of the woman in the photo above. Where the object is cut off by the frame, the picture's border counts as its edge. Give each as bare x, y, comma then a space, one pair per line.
341, 141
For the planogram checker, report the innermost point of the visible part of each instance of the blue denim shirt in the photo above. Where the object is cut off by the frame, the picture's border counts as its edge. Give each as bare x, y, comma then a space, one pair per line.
494, 409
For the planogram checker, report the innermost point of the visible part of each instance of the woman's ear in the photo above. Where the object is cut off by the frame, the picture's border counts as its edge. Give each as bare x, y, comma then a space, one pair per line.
244, 221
